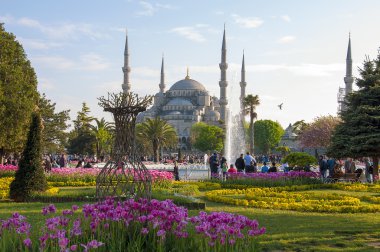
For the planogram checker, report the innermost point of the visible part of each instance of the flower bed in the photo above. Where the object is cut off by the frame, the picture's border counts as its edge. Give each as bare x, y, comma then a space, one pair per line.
273, 175
131, 226
278, 198
69, 176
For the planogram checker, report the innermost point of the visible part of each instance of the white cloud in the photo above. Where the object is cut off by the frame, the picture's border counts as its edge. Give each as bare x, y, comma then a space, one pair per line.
55, 62
87, 62
6, 19
149, 9
93, 62
286, 39
59, 31
45, 84
188, 32
286, 18
247, 22
311, 70
38, 44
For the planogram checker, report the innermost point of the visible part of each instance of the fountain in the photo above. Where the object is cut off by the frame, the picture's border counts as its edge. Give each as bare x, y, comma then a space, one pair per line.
235, 135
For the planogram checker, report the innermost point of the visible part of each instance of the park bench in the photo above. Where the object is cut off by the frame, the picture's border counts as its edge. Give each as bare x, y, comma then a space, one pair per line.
344, 177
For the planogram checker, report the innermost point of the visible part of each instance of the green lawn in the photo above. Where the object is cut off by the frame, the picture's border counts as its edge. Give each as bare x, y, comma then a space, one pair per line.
286, 230
295, 231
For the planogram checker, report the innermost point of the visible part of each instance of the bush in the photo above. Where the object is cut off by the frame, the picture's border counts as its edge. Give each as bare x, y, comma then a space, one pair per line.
30, 176
299, 159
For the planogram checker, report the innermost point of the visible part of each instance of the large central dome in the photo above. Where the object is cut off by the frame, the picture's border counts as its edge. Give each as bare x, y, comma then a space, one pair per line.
188, 84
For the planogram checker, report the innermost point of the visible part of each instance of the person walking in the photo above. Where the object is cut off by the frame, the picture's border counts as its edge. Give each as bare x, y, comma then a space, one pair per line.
331, 165
62, 161
368, 170
322, 167
240, 164
224, 167
176, 171
214, 163
248, 159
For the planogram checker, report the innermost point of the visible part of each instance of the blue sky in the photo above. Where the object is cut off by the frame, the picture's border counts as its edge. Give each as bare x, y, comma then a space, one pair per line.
295, 50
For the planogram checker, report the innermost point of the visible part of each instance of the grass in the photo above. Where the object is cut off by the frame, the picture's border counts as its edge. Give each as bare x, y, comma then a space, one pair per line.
297, 231
286, 230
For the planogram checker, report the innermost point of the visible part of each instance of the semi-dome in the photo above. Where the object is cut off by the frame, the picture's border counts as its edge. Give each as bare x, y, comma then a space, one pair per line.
188, 84
213, 113
174, 113
180, 102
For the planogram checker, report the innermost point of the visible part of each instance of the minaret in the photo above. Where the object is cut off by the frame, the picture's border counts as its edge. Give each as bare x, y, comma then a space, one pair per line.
243, 84
126, 69
223, 81
162, 80
348, 79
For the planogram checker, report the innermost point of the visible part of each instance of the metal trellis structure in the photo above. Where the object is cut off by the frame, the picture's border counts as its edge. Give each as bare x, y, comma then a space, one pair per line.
124, 176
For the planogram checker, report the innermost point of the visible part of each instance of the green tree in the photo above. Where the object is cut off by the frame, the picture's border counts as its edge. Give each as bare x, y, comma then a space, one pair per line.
18, 93
206, 137
30, 176
359, 133
103, 135
156, 133
250, 103
283, 149
81, 139
54, 135
268, 134
318, 133
83, 121
300, 159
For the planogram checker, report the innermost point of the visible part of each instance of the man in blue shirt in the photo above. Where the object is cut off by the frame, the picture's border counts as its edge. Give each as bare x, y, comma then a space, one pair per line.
265, 168
248, 159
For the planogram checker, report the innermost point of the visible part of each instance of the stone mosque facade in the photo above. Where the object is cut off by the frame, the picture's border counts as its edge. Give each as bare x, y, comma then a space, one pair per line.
187, 101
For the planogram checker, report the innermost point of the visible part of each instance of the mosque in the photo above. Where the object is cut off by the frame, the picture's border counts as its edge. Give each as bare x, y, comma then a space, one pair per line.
187, 101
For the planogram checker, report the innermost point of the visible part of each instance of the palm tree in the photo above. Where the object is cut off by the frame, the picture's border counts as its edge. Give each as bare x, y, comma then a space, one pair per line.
250, 103
103, 134
156, 133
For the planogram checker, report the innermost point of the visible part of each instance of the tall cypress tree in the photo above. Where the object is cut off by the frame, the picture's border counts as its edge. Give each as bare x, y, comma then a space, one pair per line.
30, 176
359, 133
18, 93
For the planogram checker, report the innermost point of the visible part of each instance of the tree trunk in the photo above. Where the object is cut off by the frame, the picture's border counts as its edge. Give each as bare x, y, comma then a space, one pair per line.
251, 132
156, 154
375, 174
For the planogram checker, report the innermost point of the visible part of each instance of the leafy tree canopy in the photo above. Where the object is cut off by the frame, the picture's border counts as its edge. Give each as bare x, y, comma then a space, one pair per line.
250, 103
268, 134
359, 133
18, 93
318, 133
103, 132
81, 139
54, 135
206, 137
156, 133
300, 159
30, 176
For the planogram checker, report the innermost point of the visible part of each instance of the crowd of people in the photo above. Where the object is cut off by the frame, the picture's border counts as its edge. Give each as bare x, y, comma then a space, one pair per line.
244, 163
333, 168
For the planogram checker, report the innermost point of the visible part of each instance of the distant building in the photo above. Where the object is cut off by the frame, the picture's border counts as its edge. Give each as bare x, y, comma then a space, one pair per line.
290, 139
187, 101
348, 79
